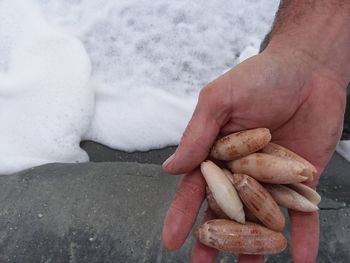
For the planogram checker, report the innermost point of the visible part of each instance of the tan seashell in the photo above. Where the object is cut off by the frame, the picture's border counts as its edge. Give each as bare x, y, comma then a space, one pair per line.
223, 191
240, 144
213, 205
280, 151
288, 198
231, 237
269, 169
228, 174
259, 201
249, 216
307, 192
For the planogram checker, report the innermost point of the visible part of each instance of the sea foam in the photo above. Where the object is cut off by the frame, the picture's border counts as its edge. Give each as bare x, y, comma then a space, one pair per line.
150, 57
46, 102
149, 60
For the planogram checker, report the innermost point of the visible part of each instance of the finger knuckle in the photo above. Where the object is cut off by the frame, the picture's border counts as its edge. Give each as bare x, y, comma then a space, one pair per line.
207, 92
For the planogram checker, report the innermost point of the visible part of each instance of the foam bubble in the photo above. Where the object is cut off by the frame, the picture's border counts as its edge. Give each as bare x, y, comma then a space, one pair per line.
146, 117
46, 103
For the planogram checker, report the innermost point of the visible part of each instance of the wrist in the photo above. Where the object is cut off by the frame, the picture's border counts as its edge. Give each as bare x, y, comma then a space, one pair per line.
317, 38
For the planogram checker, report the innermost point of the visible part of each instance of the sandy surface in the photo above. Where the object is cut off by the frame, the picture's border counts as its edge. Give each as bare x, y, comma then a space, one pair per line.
112, 211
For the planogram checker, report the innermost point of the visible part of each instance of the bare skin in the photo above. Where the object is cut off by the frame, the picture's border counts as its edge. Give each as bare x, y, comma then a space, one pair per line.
295, 88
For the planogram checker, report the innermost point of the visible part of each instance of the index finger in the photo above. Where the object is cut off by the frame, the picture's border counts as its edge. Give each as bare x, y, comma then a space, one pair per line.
210, 115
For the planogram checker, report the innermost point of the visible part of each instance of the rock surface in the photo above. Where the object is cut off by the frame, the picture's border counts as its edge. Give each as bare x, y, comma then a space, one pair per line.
113, 211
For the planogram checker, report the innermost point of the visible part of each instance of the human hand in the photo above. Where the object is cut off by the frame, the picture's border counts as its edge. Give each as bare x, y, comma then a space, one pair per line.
302, 103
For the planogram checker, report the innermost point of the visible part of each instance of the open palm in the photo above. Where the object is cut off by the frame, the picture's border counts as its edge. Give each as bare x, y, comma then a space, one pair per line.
302, 103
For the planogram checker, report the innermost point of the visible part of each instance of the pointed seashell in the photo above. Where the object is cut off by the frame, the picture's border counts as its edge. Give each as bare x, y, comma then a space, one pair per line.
249, 216
288, 198
213, 205
307, 192
269, 169
223, 191
231, 237
259, 201
280, 151
240, 144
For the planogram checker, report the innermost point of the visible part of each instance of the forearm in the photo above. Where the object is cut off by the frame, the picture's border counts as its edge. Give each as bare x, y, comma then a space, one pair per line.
319, 30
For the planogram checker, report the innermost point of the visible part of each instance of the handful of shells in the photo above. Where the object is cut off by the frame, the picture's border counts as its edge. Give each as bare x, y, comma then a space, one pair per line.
262, 176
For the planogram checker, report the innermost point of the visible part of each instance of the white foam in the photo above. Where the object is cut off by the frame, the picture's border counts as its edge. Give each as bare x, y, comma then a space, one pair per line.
45, 100
146, 117
149, 61
248, 52
171, 47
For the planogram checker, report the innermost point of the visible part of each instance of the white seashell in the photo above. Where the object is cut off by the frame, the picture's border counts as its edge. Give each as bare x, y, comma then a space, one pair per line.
223, 191
213, 205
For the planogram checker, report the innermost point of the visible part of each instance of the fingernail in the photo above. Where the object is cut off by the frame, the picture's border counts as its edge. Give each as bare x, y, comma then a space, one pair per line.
168, 161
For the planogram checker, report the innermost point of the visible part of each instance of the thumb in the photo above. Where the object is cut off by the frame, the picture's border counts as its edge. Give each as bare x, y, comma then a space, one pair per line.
210, 114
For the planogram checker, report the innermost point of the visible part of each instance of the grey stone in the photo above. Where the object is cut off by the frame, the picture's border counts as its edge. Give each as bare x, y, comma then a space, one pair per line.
106, 212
